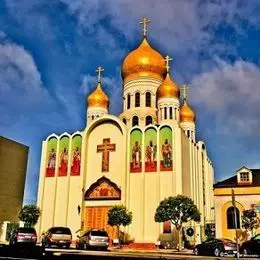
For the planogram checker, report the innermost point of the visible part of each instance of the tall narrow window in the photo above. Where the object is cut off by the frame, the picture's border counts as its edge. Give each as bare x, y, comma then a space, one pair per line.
135, 121
148, 120
137, 99
170, 112
148, 99
128, 101
231, 218
165, 112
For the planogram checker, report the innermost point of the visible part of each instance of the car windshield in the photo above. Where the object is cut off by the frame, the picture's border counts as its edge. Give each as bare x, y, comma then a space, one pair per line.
65, 231
99, 233
257, 237
26, 230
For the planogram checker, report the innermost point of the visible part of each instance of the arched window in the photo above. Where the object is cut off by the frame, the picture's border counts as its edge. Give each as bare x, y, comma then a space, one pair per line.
188, 133
148, 99
231, 218
148, 120
124, 121
170, 112
165, 112
135, 121
137, 99
128, 101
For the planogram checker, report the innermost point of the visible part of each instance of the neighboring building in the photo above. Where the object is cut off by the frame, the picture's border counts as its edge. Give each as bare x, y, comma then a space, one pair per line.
147, 153
13, 166
246, 186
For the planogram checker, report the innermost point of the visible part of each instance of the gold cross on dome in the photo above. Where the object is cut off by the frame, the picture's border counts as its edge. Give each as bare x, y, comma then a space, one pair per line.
145, 21
167, 60
99, 70
184, 90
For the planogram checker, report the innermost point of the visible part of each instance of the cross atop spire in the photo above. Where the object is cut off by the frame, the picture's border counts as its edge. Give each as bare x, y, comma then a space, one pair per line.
167, 60
184, 90
99, 70
145, 21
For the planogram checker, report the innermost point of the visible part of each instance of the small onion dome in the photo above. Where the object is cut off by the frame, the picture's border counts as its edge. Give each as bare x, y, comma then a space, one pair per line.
98, 98
186, 113
168, 89
143, 62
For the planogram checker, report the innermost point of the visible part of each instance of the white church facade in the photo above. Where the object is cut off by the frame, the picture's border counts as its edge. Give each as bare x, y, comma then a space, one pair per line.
147, 153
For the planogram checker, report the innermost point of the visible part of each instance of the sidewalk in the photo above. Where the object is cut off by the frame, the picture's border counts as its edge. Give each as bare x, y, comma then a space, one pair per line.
156, 251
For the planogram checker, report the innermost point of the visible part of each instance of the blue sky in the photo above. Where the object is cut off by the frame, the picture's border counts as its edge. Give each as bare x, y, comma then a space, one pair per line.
49, 51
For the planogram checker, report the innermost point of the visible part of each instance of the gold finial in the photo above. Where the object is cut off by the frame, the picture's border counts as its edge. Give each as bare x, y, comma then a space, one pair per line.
99, 70
145, 21
167, 60
184, 90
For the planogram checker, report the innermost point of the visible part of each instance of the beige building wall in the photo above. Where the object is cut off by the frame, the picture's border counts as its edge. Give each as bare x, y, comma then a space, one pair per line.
13, 166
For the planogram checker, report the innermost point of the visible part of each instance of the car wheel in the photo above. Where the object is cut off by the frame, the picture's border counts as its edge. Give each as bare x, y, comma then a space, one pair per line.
196, 251
246, 252
217, 252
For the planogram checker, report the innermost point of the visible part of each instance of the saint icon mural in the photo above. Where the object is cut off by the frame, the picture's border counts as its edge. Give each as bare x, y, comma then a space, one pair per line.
135, 151
150, 164
75, 167
50, 171
136, 157
166, 154
63, 162
166, 149
150, 150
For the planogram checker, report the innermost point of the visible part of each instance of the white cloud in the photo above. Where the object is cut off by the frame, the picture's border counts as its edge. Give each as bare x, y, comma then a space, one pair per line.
231, 92
20, 79
184, 23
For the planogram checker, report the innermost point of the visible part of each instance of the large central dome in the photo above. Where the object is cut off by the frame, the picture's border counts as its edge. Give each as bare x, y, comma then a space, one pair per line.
143, 62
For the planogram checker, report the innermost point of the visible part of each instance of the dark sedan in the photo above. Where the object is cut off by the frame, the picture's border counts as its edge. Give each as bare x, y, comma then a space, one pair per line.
23, 235
217, 247
251, 247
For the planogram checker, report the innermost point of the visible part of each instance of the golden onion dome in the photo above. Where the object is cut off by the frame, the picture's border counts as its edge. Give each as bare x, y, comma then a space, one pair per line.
186, 113
143, 62
98, 98
168, 88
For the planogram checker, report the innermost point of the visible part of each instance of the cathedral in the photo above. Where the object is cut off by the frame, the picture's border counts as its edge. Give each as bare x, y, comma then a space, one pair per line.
138, 158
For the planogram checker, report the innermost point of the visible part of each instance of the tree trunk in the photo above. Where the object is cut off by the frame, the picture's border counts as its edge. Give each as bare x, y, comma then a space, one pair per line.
118, 236
179, 229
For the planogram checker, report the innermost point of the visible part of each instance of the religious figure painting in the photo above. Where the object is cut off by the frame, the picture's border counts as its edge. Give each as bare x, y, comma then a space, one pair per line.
76, 155
75, 167
63, 156
166, 149
51, 157
150, 150
103, 189
63, 163
135, 152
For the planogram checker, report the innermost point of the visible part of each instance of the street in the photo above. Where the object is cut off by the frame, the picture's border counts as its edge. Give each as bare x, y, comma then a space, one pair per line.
8, 252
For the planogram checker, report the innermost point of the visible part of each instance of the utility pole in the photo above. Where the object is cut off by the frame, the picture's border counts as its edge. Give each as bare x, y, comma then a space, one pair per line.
235, 218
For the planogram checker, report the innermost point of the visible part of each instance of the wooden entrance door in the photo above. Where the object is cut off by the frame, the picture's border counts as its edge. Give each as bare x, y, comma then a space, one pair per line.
96, 217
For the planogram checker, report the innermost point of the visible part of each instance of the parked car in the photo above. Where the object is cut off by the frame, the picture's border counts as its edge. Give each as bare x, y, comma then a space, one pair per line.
58, 236
251, 247
217, 247
23, 235
93, 238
